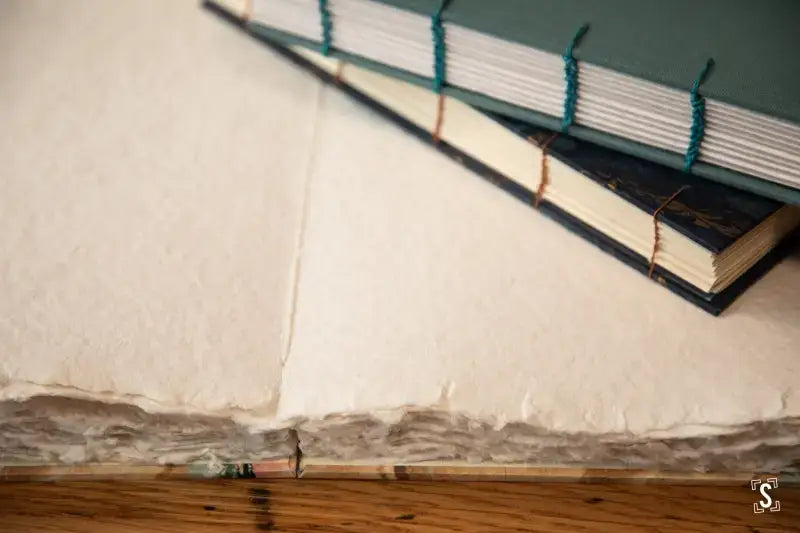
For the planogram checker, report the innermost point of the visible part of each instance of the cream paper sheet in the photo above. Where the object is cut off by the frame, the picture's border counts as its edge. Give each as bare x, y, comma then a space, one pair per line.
423, 285
189, 222
153, 163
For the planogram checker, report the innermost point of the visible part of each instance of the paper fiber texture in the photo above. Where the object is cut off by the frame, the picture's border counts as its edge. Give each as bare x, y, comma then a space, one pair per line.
150, 205
423, 286
418, 285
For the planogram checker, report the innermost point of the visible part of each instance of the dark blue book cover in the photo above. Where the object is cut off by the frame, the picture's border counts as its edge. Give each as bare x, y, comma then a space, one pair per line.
713, 215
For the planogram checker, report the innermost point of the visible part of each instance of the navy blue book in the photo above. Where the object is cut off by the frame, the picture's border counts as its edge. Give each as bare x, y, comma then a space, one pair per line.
705, 241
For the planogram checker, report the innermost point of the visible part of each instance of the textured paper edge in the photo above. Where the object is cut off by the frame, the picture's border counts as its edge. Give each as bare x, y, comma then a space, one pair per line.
275, 469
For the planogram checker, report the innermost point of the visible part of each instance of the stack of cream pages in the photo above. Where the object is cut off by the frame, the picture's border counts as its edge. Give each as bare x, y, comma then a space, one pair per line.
204, 250
512, 53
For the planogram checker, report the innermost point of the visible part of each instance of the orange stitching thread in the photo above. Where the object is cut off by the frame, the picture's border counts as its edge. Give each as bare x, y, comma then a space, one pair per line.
656, 232
543, 179
437, 129
339, 73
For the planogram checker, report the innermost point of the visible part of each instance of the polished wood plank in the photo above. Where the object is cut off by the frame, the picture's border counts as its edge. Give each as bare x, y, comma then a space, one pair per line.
370, 506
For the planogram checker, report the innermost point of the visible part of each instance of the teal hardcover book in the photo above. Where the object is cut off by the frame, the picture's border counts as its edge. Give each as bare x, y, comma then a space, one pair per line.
704, 87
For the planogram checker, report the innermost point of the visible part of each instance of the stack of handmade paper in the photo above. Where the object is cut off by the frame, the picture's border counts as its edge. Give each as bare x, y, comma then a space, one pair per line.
207, 253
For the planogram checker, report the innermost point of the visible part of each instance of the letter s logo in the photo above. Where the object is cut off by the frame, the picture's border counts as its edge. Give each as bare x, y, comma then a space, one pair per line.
765, 504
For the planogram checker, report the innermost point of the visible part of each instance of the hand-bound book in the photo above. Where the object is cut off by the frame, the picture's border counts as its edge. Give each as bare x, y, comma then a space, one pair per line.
705, 87
705, 241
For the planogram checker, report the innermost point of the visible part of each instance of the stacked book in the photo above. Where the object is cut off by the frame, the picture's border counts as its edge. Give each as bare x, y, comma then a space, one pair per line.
662, 133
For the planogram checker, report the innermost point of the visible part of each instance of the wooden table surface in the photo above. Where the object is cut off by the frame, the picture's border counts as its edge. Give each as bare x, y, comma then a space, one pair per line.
234, 505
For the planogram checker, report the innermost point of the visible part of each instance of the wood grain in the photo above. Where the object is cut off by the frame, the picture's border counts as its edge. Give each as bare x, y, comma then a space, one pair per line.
370, 506
453, 471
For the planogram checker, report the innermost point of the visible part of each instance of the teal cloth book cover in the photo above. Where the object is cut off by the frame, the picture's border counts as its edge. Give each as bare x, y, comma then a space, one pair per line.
668, 43
663, 42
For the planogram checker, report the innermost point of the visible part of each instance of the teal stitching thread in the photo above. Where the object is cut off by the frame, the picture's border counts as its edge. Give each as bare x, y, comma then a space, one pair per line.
698, 103
327, 26
571, 77
437, 30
